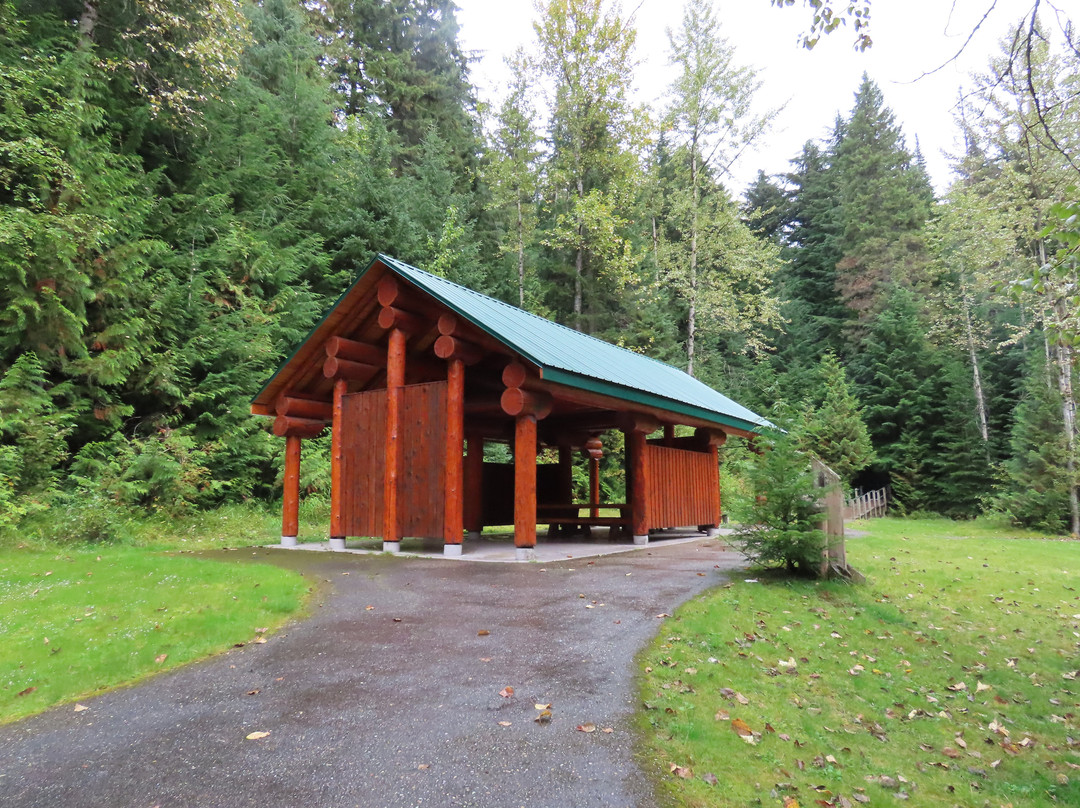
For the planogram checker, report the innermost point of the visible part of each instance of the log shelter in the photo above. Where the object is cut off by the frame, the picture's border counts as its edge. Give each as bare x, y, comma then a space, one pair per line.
413, 374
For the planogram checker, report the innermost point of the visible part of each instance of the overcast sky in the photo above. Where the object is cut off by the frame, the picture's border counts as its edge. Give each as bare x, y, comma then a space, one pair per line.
910, 37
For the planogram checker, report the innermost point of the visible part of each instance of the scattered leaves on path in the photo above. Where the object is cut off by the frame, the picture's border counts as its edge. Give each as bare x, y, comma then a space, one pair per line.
254, 736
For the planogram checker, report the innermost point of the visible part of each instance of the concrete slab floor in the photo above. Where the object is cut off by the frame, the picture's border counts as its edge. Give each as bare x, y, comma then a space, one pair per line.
499, 547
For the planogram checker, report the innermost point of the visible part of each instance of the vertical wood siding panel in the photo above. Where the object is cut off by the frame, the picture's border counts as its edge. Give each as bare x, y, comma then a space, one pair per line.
364, 462
682, 490
423, 461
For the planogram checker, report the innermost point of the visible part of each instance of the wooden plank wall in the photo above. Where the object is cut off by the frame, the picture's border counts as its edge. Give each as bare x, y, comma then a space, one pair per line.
423, 461
683, 488
363, 450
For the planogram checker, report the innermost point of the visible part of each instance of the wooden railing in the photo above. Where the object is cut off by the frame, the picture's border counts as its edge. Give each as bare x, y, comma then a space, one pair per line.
869, 505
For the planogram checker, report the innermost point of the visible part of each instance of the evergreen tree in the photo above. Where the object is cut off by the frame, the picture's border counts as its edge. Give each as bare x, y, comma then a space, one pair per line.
810, 279
1036, 487
884, 200
834, 430
401, 59
899, 378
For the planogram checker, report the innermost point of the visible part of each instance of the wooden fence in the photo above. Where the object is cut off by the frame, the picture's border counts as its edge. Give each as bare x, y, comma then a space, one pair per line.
869, 505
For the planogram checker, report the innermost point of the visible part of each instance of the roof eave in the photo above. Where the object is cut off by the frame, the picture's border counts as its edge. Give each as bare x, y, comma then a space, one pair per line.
556, 376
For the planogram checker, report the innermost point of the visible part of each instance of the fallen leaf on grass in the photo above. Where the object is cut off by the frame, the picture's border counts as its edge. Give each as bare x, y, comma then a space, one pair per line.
710, 778
590, 727
981, 686
958, 687
259, 640
860, 797
161, 658
254, 736
739, 697
722, 715
680, 771
791, 802
26, 692
741, 727
506, 692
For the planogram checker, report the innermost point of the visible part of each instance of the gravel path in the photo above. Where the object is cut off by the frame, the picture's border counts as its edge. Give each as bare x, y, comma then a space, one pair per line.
387, 694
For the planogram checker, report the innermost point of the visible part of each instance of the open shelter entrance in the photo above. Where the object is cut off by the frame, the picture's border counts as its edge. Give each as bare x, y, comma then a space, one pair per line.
414, 374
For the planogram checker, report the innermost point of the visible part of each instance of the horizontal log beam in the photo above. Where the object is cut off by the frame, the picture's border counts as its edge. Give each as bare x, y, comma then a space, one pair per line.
389, 291
448, 348
409, 323
286, 426
354, 351
515, 374
304, 408
450, 325
711, 437
516, 401
335, 368
638, 422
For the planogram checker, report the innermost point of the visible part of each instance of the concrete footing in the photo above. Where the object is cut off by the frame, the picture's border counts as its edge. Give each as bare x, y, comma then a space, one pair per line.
337, 543
640, 540
525, 554
451, 550
391, 547
288, 541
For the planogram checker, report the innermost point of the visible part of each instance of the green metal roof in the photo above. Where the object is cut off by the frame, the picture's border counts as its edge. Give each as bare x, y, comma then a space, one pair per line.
578, 360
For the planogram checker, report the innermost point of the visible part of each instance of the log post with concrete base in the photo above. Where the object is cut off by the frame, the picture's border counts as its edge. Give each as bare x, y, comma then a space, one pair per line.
525, 487
337, 438
527, 408
453, 517
395, 380
636, 428
290, 503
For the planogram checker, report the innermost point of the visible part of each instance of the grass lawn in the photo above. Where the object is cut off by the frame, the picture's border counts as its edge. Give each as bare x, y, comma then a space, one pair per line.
76, 621
952, 677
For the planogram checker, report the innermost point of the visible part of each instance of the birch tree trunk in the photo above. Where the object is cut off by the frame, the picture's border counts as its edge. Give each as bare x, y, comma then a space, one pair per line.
976, 376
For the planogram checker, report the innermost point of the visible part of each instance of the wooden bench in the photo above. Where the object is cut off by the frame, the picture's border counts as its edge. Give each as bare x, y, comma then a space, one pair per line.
554, 515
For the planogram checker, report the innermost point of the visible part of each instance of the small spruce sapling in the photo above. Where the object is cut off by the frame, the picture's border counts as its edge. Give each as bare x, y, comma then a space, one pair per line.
783, 525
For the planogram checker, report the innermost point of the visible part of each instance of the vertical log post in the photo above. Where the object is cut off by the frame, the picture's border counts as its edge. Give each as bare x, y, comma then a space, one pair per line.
669, 434
595, 450
395, 380
525, 486
474, 486
290, 503
638, 483
455, 435
337, 517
